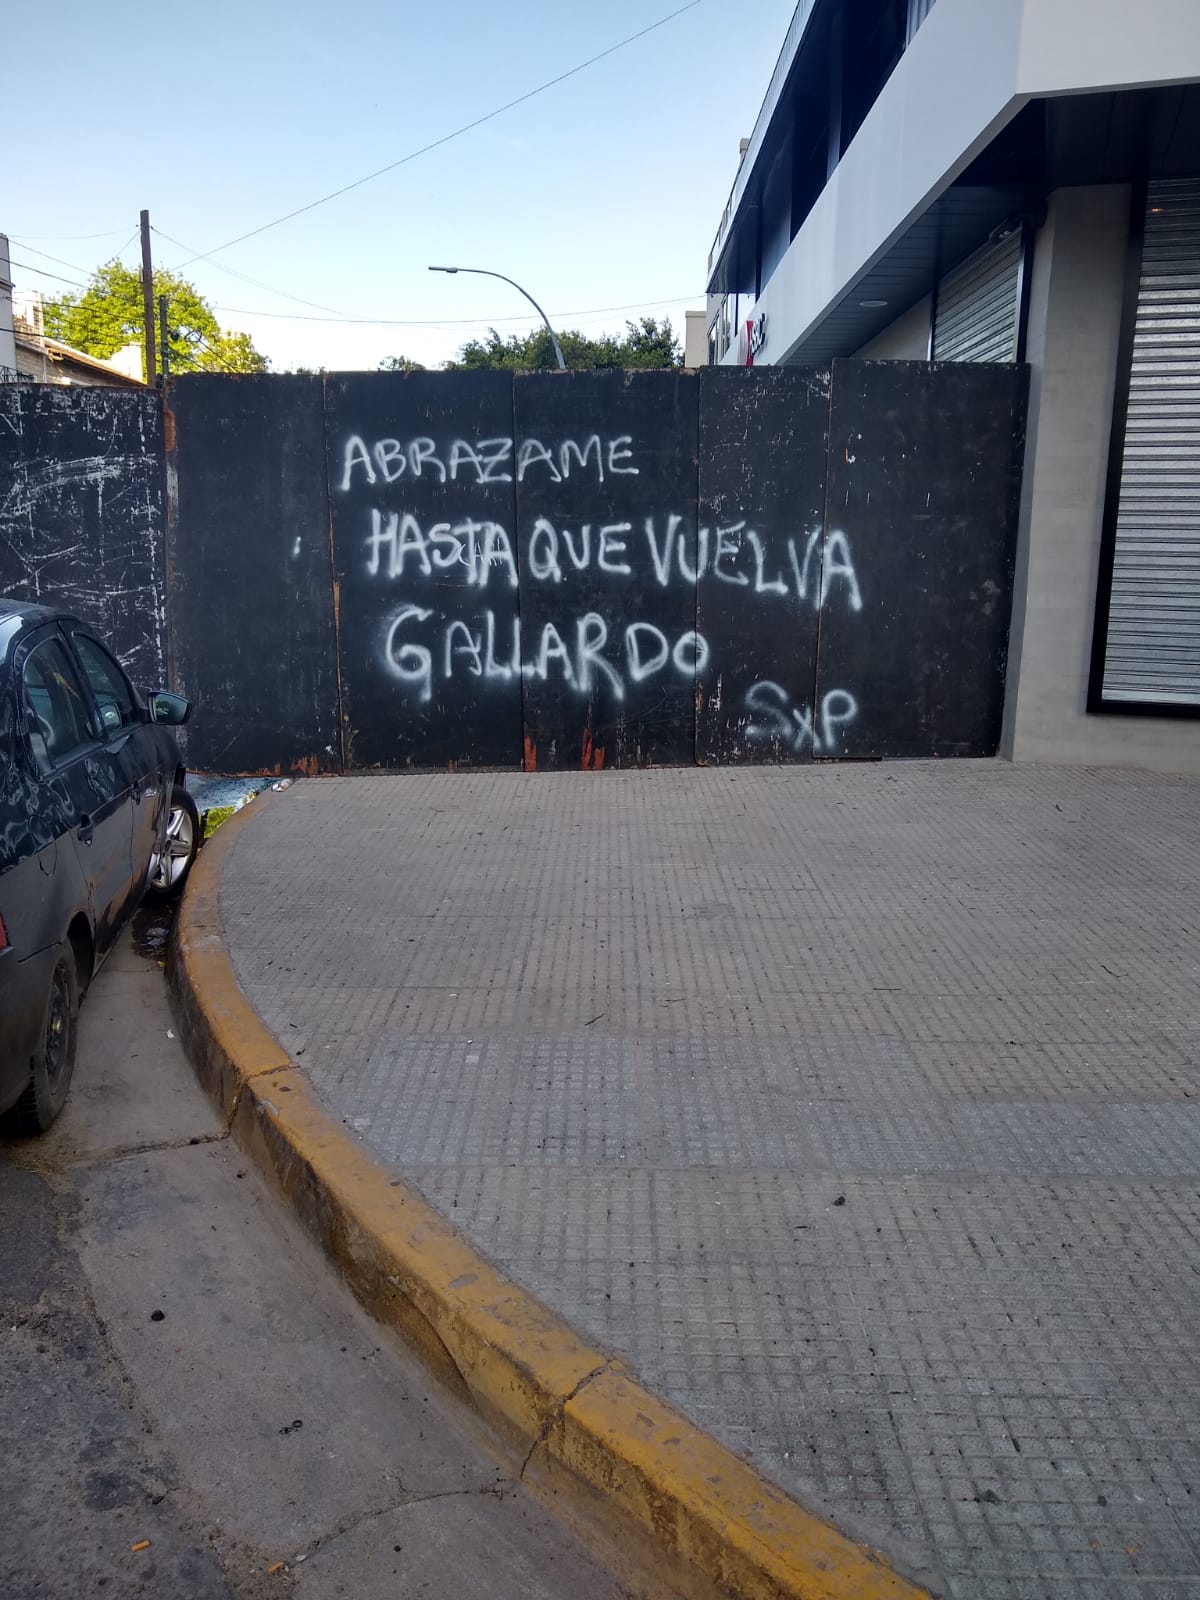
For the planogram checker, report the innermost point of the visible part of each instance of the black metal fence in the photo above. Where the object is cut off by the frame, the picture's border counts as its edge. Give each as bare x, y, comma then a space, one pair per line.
393, 571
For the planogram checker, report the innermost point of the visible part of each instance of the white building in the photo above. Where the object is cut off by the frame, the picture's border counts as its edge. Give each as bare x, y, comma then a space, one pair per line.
999, 180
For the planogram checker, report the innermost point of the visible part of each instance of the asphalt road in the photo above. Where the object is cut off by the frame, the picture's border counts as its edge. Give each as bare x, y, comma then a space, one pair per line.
190, 1404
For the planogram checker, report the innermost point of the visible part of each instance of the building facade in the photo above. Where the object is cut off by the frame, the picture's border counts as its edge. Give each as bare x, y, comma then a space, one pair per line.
41, 359
1012, 180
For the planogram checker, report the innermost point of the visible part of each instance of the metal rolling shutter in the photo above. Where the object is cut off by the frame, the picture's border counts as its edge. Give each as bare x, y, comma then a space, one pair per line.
1153, 644
979, 305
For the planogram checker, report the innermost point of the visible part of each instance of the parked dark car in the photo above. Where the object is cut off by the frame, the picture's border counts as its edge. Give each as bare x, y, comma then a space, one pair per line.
93, 814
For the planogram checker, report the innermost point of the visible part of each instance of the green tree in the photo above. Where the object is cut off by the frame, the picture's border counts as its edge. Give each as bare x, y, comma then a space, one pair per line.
647, 343
652, 344
108, 315
400, 364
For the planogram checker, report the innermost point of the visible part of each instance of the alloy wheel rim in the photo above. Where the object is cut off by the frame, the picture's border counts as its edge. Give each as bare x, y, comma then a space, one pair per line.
58, 1030
171, 862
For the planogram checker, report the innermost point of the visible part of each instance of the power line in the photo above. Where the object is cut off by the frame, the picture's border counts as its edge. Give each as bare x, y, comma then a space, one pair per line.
42, 272
196, 338
111, 233
244, 276
46, 256
336, 316
445, 139
384, 322
449, 322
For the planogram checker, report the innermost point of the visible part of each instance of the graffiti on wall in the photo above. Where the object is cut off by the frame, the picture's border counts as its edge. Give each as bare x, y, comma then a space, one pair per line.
479, 556
82, 515
588, 569
591, 594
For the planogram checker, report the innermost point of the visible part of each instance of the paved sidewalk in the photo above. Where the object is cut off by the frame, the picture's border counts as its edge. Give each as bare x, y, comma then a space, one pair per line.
858, 1106
192, 1407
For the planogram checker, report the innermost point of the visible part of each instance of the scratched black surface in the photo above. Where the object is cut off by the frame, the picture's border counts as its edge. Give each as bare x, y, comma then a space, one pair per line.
919, 527
470, 716
569, 724
924, 480
763, 436
82, 513
251, 600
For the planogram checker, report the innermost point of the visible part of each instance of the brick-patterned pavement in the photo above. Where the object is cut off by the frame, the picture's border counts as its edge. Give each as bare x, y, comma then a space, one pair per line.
858, 1107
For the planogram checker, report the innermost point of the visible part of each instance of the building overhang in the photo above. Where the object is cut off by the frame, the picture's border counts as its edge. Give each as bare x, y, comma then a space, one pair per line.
774, 108
970, 72
1070, 140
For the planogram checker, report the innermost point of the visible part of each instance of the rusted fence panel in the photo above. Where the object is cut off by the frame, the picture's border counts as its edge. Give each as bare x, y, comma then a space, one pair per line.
387, 571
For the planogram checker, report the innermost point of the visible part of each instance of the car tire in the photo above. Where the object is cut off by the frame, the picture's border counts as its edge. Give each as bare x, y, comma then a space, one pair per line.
53, 1065
170, 866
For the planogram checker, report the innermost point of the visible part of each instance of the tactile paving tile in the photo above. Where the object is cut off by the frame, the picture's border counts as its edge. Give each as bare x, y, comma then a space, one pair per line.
858, 1107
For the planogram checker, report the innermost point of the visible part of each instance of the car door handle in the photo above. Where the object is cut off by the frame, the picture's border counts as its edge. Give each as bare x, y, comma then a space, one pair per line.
85, 829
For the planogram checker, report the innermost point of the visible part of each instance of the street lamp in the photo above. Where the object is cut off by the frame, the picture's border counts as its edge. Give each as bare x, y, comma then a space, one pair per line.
482, 272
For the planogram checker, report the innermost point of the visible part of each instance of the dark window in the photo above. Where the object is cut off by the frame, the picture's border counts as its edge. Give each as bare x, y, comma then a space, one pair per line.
811, 169
776, 214
875, 37
58, 720
117, 701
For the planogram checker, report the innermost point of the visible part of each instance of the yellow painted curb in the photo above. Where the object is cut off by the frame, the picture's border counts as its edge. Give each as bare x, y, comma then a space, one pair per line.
626, 1460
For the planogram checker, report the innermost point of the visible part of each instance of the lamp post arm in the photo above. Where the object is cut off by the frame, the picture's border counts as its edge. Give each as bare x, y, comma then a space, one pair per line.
483, 272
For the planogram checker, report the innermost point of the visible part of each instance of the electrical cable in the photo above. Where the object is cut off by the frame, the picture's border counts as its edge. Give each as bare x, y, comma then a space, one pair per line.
450, 322
351, 321
57, 276
45, 254
110, 233
203, 343
196, 338
445, 138
244, 276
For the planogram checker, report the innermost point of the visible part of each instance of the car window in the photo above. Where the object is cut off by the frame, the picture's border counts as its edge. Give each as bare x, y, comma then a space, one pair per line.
117, 701
58, 720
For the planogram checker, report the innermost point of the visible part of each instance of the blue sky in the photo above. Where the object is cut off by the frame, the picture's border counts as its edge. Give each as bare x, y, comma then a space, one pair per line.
605, 191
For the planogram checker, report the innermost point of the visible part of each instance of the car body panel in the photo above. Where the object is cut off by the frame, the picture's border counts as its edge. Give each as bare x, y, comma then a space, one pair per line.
88, 793
24, 985
144, 770
76, 841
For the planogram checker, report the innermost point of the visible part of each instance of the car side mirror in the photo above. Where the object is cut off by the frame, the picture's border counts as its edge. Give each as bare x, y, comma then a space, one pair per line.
169, 708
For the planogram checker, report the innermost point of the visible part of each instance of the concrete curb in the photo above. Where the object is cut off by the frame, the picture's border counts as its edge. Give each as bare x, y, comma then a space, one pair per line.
624, 1461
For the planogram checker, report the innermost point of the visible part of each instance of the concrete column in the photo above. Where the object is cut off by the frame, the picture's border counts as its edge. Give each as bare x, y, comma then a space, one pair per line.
1074, 330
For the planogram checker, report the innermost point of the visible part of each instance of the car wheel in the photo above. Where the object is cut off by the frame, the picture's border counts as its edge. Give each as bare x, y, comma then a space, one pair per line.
50, 1075
170, 866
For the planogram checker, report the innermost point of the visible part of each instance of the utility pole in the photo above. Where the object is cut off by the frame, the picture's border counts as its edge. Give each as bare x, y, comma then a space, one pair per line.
148, 300
162, 338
